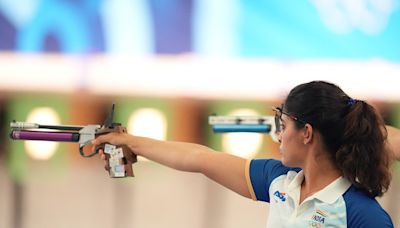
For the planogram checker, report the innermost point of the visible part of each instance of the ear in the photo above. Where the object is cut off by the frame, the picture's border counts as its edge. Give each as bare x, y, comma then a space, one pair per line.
307, 134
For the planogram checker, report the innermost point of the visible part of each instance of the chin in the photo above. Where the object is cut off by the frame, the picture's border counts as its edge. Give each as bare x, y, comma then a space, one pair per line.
287, 163
284, 161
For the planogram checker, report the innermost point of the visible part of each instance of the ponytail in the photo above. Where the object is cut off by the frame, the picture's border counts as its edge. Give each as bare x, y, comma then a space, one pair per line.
353, 133
363, 156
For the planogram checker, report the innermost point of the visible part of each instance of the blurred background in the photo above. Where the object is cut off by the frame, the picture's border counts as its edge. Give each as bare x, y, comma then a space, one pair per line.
168, 65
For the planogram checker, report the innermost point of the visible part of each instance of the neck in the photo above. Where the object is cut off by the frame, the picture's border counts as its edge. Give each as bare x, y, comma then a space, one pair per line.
319, 172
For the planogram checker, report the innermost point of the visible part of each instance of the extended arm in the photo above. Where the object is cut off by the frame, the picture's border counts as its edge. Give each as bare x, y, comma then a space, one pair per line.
394, 141
225, 169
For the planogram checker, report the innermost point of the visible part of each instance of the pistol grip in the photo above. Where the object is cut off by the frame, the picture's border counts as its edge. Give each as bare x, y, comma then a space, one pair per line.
119, 160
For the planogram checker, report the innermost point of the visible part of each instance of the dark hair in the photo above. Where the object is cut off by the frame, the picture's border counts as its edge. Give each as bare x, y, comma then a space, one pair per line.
352, 131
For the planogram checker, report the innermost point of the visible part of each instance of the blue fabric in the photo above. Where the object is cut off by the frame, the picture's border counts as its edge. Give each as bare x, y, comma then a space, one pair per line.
364, 211
262, 173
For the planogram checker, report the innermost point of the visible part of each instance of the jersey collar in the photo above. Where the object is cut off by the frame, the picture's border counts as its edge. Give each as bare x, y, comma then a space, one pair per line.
329, 194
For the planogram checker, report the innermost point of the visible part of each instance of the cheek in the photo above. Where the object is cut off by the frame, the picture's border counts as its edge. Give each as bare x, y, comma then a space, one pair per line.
287, 138
291, 156
290, 145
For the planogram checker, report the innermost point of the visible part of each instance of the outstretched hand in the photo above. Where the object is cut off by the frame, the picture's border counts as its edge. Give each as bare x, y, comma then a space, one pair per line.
106, 138
117, 139
113, 138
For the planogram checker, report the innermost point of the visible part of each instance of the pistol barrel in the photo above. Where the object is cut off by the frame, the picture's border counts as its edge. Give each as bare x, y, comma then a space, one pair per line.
25, 125
45, 135
257, 128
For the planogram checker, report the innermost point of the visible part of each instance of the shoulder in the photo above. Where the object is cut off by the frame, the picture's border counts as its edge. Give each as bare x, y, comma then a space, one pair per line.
364, 211
260, 173
270, 167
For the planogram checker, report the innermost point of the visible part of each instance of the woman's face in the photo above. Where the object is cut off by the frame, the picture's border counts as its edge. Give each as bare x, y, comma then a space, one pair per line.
291, 143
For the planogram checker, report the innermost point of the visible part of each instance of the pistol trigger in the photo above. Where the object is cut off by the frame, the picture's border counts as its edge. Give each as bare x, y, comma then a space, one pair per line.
98, 148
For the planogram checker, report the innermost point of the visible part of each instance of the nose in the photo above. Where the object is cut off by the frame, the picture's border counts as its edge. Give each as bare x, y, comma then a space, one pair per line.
280, 136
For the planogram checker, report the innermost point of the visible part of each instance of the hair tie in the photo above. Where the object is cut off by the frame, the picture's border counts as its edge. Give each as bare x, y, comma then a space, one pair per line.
351, 102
